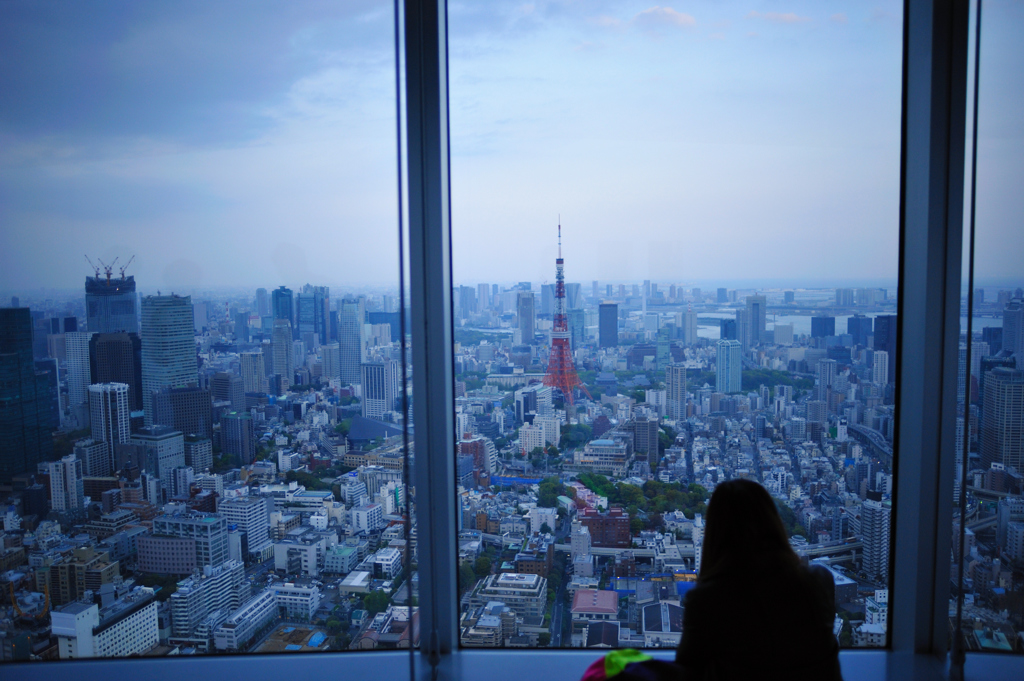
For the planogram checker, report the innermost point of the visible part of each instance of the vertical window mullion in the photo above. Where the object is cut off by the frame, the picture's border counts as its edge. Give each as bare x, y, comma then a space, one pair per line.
430, 303
934, 107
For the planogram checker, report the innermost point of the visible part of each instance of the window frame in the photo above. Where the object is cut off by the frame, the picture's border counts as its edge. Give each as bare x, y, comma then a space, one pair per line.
935, 57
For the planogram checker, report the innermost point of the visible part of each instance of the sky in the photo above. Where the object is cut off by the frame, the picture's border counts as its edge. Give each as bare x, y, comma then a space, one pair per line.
254, 143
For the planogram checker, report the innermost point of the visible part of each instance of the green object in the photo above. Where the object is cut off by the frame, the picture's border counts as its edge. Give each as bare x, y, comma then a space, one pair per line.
616, 661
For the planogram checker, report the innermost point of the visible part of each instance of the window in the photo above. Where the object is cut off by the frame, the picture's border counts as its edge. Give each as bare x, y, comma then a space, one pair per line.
985, 608
931, 159
675, 238
240, 486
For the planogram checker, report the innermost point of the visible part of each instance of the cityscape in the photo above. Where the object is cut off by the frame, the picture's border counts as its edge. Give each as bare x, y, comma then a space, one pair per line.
220, 474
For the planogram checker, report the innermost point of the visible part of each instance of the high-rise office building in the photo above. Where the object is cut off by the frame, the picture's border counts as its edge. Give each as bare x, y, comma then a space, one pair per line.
282, 353
188, 410
168, 347
254, 375
723, 295
380, 385
860, 327
608, 325
689, 327
225, 386
351, 317
110, 305
110, 416
757, 309
885, 339
525, 316
826, 376
675, 389
1013, 329
67, 489
823, 326
844, 297
282, 304
330, 355
576, 320
262, 302
78, 370
743, 327
483, 297
252, 516
239, 436
25, 421
312, 312
727, 329
117, 358
788, 297
728, 366
880, 367
547, 299
164, 450
198, 452
1002, 419
210, 533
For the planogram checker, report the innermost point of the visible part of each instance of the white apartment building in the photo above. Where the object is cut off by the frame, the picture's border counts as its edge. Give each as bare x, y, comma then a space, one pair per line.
242, 626
126, 627
297, 601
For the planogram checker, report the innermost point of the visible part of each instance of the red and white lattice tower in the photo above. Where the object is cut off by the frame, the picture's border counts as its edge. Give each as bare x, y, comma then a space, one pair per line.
561, 372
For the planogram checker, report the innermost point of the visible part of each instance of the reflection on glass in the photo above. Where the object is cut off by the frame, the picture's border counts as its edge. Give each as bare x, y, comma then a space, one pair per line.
701, 204
205, 453
987, 567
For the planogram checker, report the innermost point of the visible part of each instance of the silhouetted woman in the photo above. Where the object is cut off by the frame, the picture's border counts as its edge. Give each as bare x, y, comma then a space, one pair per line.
756, 612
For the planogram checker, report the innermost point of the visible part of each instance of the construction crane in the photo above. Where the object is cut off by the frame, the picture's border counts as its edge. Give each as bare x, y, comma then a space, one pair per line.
93, 265
108, 269
125, 266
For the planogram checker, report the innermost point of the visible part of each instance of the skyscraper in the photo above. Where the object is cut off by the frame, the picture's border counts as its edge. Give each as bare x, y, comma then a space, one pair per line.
67, 490
689, 326
312, 312
380, 385
885, 339
281, 304
25, 424
282, 353
880, 367
79, 372
239, 436
351, 316
875, 526
525, 316
743, 327
110, 305
728, 366
860, 327
254, 375
168, 347
1013, 328
188, 409
1002, 419
331, 356
608, 325
757, 308
262, 302
483, 297
675, 388
823, 326
225, 386
826, 375
117, 358
722, 295
110, 416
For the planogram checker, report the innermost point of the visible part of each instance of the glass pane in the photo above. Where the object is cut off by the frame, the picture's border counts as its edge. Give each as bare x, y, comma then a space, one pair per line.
718, 302
988, 552
207, 451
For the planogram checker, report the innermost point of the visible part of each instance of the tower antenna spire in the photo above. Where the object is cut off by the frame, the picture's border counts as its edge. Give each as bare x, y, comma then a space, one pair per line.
559, 235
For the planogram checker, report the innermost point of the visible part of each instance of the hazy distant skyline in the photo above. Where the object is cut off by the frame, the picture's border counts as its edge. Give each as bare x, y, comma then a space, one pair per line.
697, 142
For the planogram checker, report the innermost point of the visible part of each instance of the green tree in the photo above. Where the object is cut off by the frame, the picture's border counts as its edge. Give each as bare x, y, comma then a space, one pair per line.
376, 601
467, 577
545, 528
635, 525
544, 639
482, 567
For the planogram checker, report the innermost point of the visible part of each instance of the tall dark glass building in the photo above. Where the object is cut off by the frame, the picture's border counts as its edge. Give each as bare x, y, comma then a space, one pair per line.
111, 305
608, 325
25, 410
885, 339
117, 358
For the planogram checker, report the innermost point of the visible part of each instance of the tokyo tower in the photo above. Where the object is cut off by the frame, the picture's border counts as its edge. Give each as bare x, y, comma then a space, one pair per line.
561, 372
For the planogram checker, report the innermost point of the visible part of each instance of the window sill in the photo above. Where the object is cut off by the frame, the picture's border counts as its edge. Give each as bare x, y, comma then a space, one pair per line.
476, 664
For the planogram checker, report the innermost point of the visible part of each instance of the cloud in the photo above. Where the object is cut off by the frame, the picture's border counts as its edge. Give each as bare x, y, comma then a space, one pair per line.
839, 18
717, 36
779, 18
605, 21
664, 16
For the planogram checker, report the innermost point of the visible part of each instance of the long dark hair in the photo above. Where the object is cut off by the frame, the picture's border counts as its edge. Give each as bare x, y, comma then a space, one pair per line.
742, 522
